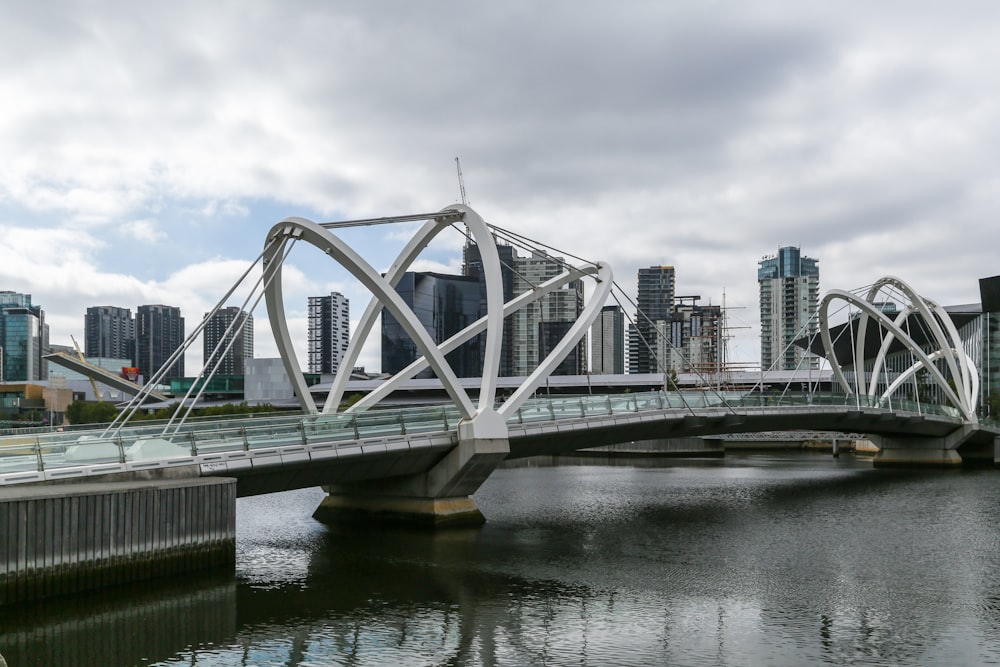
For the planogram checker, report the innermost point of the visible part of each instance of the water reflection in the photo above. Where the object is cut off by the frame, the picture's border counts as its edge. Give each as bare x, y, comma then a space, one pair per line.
754, 560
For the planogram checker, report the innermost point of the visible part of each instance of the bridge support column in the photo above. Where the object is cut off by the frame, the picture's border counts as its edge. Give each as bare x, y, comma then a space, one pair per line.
440, 497
920, 452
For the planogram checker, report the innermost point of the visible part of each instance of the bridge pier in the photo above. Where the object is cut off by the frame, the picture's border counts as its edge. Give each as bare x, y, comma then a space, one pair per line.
921, 452
440, 497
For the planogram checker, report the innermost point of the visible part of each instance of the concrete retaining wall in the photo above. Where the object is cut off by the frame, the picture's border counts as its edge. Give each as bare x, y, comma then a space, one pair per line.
65, 538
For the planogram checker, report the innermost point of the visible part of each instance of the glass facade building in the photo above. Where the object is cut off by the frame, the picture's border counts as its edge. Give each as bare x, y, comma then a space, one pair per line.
24, 339
789, 297
444, 305
654, 303
607, 342
472, 266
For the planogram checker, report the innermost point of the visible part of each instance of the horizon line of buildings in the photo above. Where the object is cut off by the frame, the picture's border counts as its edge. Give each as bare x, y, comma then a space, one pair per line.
665, 333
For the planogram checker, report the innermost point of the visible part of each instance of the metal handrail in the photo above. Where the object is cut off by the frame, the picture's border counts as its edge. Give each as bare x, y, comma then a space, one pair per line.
47, 451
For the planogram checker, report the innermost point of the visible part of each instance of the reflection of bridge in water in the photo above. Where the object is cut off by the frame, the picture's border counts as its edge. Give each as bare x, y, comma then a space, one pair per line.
424, 464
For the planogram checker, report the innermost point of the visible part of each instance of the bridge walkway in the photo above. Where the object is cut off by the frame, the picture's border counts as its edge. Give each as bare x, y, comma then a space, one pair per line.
276, 452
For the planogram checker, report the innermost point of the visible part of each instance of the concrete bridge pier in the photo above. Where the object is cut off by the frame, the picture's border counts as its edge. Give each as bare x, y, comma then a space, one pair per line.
440, 497
921, 452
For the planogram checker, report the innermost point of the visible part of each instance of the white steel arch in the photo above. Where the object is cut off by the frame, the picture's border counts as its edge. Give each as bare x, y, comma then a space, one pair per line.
960, 385
385, 296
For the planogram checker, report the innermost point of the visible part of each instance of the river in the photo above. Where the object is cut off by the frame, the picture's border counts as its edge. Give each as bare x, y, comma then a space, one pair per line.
763, 559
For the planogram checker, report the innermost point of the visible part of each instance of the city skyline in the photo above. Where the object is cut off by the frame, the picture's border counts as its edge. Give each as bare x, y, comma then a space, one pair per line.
698, 135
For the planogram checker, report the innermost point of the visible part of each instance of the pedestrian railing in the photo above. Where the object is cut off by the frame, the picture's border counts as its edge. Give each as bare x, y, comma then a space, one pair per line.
42, 451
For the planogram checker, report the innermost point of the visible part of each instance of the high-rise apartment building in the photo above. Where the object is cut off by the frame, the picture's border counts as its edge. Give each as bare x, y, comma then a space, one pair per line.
654, 302
694, 337
230, 332
109, 332
607, 342
789, 298
542, 324
159, 332
444, 305
24, 339
329, 332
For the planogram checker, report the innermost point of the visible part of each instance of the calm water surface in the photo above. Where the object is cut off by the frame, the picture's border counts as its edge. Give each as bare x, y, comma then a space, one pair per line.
752, 560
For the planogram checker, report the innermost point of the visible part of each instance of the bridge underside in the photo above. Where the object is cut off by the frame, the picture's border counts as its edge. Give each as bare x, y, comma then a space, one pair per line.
433, 484
907, 431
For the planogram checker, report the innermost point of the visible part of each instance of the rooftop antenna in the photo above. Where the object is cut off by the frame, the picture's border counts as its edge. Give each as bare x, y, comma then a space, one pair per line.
461, 182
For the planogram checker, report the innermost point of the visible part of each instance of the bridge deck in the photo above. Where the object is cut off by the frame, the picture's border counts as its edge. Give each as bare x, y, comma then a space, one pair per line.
295, 451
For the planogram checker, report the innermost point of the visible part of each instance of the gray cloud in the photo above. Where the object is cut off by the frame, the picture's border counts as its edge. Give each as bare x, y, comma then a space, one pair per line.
697, 134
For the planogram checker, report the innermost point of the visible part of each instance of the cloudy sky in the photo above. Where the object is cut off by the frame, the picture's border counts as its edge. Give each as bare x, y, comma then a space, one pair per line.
148, 148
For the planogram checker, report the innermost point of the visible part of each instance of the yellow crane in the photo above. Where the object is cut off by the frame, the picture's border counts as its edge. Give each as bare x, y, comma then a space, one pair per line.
93, 382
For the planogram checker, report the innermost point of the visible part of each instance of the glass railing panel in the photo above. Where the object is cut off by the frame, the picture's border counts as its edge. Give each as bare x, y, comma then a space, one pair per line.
220, 440
274, 435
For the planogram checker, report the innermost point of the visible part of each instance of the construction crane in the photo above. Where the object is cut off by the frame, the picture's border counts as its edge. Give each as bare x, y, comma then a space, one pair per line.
93, 382
461, 182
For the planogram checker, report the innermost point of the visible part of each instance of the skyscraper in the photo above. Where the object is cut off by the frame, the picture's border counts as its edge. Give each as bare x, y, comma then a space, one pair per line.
109, 332
607, 342
329, 332
655, 299
159, 332
695, 337
24, 339
444, 305
789, 298
232, 328
472, 266
540, 325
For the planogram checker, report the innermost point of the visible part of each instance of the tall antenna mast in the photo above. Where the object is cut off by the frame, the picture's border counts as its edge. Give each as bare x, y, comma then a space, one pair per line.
461, 182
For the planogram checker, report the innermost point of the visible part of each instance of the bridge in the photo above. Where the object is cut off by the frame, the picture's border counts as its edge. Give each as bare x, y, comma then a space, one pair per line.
424, 464
273, 453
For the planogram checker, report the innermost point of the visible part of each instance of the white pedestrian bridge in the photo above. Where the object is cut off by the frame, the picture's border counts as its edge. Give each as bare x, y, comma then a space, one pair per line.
436, 457
277, 452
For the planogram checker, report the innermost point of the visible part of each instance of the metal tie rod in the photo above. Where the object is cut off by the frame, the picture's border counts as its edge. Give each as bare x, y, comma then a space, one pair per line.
443, 216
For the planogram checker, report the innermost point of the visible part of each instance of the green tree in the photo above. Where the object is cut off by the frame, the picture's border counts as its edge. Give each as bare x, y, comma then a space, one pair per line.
90, 412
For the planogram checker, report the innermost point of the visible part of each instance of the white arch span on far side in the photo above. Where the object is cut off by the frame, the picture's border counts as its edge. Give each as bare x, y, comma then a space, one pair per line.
960, 386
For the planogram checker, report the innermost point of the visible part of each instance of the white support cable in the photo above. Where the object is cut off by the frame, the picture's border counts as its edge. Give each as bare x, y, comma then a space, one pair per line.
659, 364
218, 358
136, 402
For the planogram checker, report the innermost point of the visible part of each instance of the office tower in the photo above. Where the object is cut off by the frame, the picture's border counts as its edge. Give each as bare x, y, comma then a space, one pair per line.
472, 266
329, 332
109, 333
542, 324
694, 337
655, 298
24, 339
444, 305
789, 298
159, 332
607, 342
229, 328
